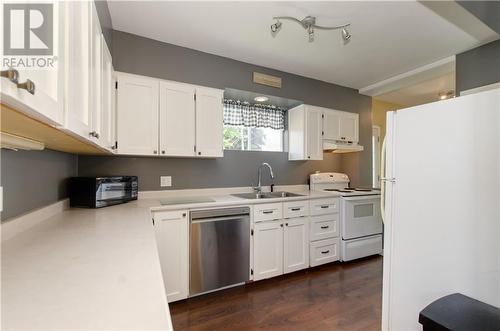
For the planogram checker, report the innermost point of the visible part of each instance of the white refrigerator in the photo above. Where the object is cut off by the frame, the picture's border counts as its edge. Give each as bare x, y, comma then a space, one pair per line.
442, 202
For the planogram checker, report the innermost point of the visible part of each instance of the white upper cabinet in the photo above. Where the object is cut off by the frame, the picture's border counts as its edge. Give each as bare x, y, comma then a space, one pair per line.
349, 126
209, 112
137, 114
95, 76
331, 125
340, 126
165, 118
107, 138
177, 119
77, 107
46, 103
304, 133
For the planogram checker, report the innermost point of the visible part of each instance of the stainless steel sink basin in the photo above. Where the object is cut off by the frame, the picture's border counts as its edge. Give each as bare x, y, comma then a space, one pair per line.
266, 195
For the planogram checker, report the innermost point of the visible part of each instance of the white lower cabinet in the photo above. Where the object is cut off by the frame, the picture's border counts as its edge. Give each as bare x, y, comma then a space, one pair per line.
324, 231
171, 230
280, 245
324, 251
296, 244
268, 249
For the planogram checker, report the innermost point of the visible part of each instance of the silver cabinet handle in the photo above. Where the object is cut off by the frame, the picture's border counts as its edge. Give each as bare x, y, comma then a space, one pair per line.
11, 74
267, 212
28, 85
295, 209
94, 134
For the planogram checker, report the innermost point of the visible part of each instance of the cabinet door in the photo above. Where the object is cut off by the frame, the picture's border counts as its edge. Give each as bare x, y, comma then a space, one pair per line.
47, 102
209, 122
314, 141
331, 125
349, 124
107, 139
177, 119
95, 76
268, 249
77, 108
137, 115
296, 244
171, 229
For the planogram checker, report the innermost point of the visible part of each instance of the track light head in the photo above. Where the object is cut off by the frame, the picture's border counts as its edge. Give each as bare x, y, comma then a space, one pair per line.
346, 36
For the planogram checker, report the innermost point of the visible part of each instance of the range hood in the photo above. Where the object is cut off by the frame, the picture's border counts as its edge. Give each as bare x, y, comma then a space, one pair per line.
341, 147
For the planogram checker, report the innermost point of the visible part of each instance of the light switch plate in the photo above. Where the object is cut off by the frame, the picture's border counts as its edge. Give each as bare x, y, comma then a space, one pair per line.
165, 181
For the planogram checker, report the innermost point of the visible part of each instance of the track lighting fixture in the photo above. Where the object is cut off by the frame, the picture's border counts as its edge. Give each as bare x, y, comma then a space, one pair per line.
309, 24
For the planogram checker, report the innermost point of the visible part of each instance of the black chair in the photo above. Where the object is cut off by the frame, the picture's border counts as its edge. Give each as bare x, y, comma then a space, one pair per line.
459, 312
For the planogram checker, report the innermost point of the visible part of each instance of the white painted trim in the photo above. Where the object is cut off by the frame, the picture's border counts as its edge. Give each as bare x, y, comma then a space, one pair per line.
481, 89
15, 226
215, 191
412, 77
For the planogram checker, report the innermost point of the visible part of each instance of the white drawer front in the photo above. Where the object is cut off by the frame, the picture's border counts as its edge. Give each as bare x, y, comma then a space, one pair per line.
324, 251
324, 206
324, 227
267, 212
295, 209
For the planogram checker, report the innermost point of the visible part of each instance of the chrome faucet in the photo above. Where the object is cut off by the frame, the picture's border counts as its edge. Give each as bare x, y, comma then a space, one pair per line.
258, 188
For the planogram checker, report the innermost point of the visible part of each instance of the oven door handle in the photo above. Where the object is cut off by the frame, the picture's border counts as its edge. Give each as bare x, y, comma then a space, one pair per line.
362, 197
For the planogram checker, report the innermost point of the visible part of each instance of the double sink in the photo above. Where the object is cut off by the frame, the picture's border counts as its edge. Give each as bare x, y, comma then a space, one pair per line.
266, 195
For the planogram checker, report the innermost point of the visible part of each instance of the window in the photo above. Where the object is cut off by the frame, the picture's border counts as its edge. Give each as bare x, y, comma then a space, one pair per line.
253, 127
252, 139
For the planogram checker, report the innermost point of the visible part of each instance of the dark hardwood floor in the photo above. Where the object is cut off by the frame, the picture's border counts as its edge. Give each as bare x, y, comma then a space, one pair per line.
337, 296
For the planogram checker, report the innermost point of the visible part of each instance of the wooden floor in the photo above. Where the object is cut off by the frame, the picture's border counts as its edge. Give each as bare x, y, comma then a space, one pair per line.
337, 296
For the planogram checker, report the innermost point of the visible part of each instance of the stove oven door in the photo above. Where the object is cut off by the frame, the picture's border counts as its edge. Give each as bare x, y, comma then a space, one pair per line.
360, 216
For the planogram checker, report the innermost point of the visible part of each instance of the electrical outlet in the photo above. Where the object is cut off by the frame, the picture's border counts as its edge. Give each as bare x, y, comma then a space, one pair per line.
165, 181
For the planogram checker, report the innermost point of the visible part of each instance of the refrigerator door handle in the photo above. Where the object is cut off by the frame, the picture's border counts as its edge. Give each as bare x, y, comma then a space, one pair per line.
382, 181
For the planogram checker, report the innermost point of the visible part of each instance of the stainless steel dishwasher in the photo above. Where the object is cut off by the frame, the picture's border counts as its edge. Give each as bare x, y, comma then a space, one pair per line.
219, 249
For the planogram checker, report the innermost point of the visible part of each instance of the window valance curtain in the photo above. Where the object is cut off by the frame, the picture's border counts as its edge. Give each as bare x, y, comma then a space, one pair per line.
257, 115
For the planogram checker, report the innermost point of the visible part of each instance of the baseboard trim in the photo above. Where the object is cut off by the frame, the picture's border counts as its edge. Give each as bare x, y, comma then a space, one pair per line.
16, 225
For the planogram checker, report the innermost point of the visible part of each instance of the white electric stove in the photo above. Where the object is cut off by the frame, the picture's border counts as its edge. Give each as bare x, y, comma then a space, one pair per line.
360, 217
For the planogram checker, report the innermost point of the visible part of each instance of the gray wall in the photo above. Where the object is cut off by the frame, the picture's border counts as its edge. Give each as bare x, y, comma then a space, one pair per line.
237, 168
138, 55
105, 21
34, 179
486, 11
479, 66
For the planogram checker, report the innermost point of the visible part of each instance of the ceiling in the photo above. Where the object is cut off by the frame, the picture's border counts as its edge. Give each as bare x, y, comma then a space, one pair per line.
422, 92
389, 38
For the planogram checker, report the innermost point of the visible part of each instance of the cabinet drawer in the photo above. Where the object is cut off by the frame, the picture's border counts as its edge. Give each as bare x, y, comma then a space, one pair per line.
267, 212
324, 251
324, 206
295, 209
324, 227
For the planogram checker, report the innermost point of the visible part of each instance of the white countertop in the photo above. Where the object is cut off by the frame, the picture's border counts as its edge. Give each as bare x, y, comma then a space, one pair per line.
94, 269
85, 269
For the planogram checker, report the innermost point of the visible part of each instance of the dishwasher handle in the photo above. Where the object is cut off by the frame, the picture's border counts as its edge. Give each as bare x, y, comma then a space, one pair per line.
217, 219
